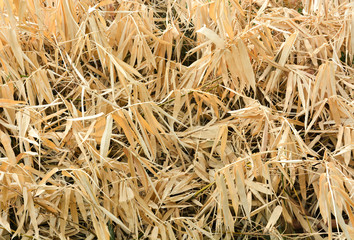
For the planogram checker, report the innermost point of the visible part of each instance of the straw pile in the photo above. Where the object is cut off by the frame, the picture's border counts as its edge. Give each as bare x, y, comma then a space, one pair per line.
188, 119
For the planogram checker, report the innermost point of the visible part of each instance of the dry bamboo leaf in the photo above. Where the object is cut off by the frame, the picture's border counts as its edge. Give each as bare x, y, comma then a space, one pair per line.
224, 202
105, 141
6, 142
258, 187
211, 35
246, 63
316, 115
115, 219
9, 102
239, 8
142, 28
16, 47
273, 218
212, 14
47, 176
86, 118
242, 190
334, 108
101, 229
128, 131
81, 205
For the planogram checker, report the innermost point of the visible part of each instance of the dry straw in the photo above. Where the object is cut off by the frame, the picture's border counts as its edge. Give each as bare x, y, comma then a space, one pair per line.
186, 119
